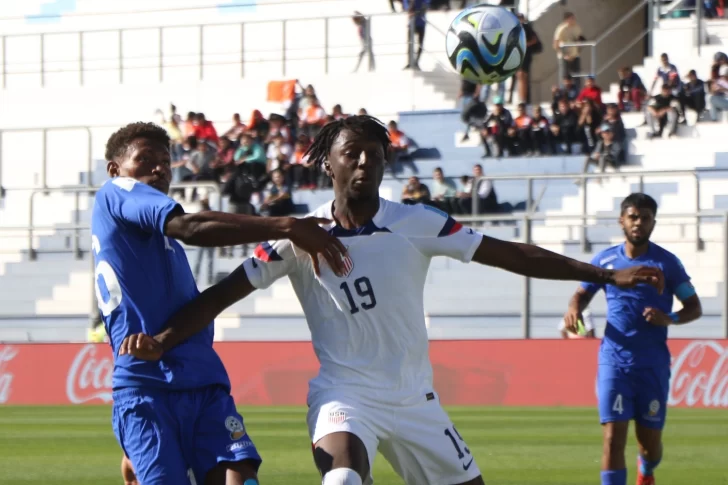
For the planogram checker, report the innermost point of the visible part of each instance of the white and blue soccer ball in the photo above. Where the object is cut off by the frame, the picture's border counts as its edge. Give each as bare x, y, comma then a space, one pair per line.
486, 44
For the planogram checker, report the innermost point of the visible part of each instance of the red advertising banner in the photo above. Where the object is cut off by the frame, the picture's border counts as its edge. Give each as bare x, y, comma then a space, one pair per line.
472, 372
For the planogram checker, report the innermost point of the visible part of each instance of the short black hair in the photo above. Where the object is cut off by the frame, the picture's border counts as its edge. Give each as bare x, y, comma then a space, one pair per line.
568, 15
119, 142
361, 124
639, 201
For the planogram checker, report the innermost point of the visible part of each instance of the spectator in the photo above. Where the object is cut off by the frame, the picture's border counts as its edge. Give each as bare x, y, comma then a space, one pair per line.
661, 112
719, 59
362, 112
400, 142
591, 92
719, 94
496, 129
278, 155
309, 92
250, 157
589, 121
205, 252
174, 116
365, 37
313, 118
203, 158
444, 193
237, 129
540, 132
302, 172
278, 127
224, 162
277, 202
568, 32
415, 28
468, 92
182, 171
176, 138
204, 129
487, 202
523, 143
258, 127
568, 92
473, 110
338, 113
607, 151
693, 93
613, 119
631, 88
189, 127
415, 192
564, 126
533, 46
666, 74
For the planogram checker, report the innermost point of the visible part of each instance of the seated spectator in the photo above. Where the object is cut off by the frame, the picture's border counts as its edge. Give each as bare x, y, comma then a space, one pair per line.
313, 118
189, 125
303, 172
204, 130
182, 171
568, 92
693, 93
613, 119
258, 127
250, 157
666, 74
540, 133
468, 92
337, 113
176, 139
496, 130
719, 59
400, 142
277, 202
719, 94
607, 152
233, 134
564, 126
589, 121
444, 193
224, 161
631, 88
306, 99
523, 143
362, 112
277, 127
662, 112
415, 192
278, 155
591, 92
201, 161
487, 201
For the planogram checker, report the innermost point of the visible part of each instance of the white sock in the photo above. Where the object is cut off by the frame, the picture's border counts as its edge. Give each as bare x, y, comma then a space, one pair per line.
342, 476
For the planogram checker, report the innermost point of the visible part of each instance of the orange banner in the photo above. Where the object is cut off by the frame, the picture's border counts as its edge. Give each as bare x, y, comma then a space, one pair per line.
280, 91
471, 372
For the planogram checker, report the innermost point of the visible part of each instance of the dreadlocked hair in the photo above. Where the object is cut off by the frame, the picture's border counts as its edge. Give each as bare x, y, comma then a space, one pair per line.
365, 125
119, 142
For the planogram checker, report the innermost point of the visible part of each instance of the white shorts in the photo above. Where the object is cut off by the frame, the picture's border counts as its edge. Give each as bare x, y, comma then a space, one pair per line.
419, 441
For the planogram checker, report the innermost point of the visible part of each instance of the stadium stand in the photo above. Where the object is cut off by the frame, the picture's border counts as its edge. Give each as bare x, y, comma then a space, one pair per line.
46, 291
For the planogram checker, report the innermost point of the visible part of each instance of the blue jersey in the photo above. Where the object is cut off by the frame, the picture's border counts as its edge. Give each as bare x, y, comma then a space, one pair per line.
142, 279
629, 340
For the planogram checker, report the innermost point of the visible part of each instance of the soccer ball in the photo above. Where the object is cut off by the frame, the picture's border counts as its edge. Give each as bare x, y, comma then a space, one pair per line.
486, 44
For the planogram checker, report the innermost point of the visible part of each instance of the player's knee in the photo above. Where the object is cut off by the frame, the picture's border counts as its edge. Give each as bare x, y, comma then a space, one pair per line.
342, 476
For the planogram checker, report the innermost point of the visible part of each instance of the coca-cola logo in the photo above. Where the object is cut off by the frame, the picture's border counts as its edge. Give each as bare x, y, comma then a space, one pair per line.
700, 375
89, 377
6, 378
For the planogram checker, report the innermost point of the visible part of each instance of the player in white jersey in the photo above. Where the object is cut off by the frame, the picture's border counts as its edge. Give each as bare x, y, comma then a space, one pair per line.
374, 389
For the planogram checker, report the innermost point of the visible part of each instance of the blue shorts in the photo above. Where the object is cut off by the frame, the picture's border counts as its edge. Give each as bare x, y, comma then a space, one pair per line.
171, 435
639, 394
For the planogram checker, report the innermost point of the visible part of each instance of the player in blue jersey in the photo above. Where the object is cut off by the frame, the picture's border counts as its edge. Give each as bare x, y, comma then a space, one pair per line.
634, 361
174, 419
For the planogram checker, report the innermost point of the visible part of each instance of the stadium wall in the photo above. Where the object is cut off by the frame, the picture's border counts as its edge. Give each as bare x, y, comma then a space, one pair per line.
501, 373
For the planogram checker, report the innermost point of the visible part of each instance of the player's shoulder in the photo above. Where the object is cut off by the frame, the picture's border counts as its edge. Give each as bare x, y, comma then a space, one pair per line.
119, 187
663, 255
607, 256
418, 220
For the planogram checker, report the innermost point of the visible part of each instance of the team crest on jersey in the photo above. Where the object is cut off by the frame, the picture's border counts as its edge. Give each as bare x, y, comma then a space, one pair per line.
348, 264
654, 407
337, 417
235, 426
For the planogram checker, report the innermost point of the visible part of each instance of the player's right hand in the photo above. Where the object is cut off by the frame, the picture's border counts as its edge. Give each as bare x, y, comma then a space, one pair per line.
141, 346
572, 317
307, 234
631, 277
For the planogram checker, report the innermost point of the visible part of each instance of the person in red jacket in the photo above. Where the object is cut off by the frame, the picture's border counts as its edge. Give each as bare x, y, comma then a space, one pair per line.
592, 92
205, 129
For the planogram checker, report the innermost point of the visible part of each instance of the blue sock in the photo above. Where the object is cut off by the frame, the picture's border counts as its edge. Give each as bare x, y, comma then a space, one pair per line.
251, 481
646, 466
614, 477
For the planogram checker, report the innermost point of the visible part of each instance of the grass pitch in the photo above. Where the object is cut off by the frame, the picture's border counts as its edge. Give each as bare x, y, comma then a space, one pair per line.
512, 446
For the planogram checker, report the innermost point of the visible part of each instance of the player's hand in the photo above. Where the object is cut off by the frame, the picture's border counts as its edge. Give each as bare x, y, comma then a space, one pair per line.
141, 346
656, 317
631, 277
307, 234
572, 317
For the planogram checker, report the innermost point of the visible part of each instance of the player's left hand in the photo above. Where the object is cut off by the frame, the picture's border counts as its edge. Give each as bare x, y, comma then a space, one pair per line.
141, 346
631, 277
656, 317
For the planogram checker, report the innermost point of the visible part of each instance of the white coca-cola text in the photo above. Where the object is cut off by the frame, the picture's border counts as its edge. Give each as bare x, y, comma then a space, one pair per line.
89, 377
700, 375
7, 354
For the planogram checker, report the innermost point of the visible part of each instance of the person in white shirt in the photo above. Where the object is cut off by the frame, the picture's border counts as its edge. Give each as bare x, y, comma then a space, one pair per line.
374, 390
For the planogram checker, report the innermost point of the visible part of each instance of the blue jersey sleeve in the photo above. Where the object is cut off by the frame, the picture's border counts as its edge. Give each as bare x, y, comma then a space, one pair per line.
140, 205
677, 279
592, 288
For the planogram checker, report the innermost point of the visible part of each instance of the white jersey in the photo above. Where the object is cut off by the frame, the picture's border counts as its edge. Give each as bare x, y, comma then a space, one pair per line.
368, 327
